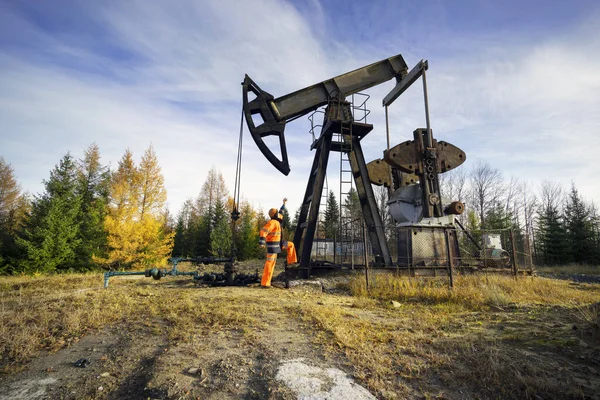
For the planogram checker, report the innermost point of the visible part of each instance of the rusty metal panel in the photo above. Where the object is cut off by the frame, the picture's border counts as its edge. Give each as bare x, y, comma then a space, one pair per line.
406, 157
379, 173
427, 246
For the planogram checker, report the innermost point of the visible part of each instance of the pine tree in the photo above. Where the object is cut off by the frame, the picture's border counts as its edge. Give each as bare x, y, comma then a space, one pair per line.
294, 223
352, 208
551, 232
93, 182
213, 190
51, 234
552, 237
220, 236
332, 217
247, 240
497, 218
203, 232
183, 240
580, 234
179, 238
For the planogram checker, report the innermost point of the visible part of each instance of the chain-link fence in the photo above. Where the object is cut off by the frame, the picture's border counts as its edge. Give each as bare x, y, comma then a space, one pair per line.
498, 249
432, 250
345, 249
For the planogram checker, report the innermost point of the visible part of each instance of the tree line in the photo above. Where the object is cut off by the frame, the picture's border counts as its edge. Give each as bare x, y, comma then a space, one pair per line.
89, 217
554, 225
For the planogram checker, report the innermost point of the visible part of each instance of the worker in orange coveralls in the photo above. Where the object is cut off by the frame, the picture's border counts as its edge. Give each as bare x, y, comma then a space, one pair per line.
270, 237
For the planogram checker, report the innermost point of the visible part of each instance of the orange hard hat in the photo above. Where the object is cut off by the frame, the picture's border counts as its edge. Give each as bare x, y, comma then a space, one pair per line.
272, 212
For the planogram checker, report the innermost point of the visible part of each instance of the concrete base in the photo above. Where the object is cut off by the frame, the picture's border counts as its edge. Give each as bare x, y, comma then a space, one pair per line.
306, 285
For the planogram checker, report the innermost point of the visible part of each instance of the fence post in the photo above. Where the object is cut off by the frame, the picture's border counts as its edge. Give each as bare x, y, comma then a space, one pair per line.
335, 248
366, 254
514, 252
450, 263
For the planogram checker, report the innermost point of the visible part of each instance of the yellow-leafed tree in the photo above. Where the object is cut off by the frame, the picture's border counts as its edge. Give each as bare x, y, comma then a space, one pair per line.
157, 244
135, 226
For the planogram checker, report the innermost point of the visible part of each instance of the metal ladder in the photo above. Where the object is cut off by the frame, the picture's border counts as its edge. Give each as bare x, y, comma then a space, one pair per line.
321, 246
349, 227
320, 237
346, 228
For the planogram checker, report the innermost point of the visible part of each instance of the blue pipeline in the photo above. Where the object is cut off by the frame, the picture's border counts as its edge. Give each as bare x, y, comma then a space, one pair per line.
156, 273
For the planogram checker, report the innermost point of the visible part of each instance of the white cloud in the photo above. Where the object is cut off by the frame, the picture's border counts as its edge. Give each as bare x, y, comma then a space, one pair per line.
529, 108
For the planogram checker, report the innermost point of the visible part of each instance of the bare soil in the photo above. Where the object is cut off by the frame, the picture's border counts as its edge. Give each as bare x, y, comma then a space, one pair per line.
140, 362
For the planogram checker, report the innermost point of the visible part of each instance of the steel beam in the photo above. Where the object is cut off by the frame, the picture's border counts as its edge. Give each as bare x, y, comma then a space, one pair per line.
305, 100
405, 82
368, 204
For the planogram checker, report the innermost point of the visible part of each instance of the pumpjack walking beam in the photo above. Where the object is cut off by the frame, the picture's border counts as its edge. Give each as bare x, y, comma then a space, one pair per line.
276, 112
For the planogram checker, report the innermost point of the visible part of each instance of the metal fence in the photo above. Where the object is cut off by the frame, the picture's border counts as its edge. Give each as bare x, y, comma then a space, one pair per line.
435, 250
495, 249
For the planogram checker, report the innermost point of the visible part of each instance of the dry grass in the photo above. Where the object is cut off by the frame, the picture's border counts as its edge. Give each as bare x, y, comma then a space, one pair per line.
483, 337
571, 269
52, 312
489, 337
590, 313
475, 292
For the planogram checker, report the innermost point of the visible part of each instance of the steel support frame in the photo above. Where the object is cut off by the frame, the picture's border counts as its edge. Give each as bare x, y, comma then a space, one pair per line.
309, 212
368, 204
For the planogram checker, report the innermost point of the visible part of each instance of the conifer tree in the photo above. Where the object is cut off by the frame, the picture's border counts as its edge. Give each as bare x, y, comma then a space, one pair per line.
294, 223
248, 234
580, 234
183, 240
551, 235
352, 204
51, 234
122, 219
286, 225
220, 236
156, 234
213, 190
136, 220
13, 208
496, 217
332, 216
178, 239
153, 195
93, 182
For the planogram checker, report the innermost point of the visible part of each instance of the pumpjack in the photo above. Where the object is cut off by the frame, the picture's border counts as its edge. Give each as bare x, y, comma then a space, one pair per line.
410, 169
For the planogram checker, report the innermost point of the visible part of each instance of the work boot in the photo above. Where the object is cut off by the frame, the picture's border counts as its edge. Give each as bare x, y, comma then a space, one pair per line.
266, 287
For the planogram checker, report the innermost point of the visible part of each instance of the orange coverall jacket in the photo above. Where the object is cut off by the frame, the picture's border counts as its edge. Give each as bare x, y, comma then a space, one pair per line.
270, 235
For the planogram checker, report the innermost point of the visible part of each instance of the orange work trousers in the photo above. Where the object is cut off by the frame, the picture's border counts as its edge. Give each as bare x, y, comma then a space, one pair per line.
272, 259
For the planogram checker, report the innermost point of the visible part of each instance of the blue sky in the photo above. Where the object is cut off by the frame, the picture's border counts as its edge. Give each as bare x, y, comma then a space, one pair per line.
516, 83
